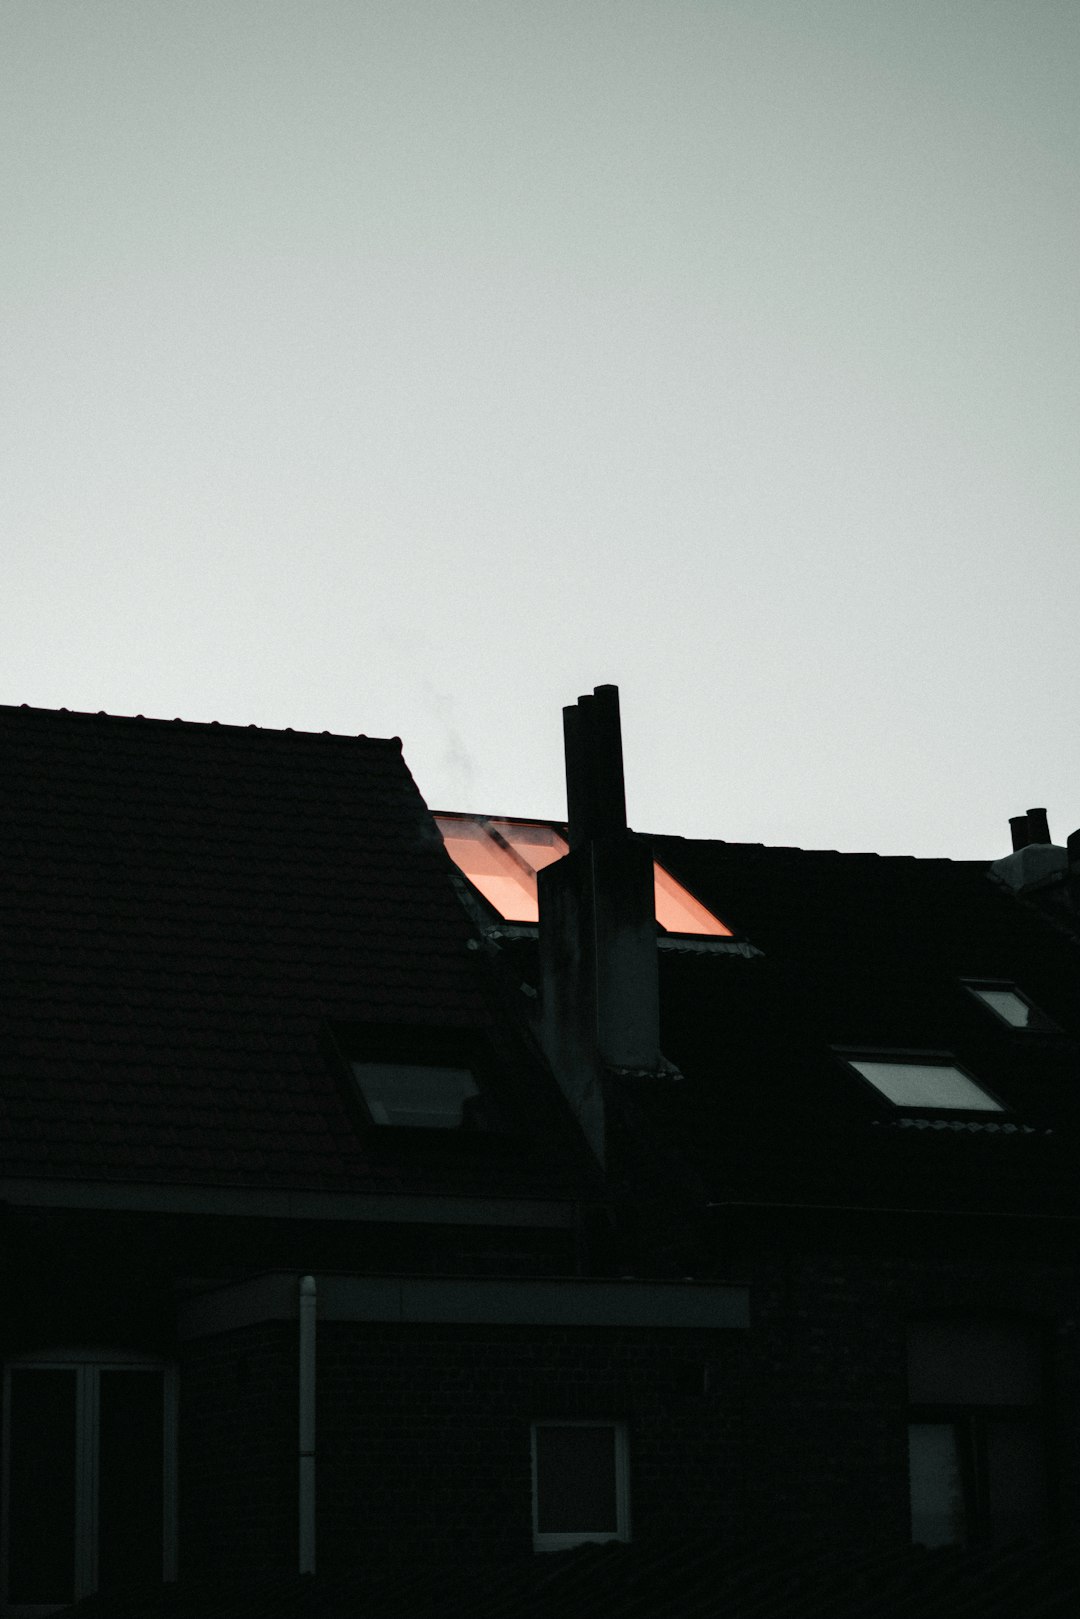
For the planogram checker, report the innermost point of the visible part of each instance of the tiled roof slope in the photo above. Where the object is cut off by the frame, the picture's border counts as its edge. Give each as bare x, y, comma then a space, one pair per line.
802, 900
181, 906
865, 951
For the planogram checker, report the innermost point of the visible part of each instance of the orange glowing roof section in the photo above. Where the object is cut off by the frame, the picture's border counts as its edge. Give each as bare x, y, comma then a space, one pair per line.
678, 910
491, 863
501, 858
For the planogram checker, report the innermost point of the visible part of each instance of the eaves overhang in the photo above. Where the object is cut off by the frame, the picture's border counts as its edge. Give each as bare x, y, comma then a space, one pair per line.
276, 1204
935, 1212
466, 1301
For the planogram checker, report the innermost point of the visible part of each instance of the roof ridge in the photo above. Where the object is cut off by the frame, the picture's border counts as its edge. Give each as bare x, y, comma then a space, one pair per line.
193, 725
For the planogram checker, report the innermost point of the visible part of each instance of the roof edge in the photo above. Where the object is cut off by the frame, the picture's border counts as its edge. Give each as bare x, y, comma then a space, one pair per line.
89, 716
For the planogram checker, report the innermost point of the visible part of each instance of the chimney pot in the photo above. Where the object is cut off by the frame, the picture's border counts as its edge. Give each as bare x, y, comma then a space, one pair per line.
1038, 826
1020, 836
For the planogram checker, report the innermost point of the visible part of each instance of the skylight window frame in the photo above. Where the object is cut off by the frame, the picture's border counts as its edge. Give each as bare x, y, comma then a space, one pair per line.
1044, 1025
898, 1055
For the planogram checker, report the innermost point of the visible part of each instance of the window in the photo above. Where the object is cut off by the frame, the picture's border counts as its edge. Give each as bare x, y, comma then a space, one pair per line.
1007, 1003
446, 1089
501, 858
580, 1483
975, 1435
925, 1082
89, 1471
416, 1094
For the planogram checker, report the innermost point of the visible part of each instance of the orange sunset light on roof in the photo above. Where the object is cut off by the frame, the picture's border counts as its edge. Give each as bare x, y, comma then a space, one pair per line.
501, 859
678, 910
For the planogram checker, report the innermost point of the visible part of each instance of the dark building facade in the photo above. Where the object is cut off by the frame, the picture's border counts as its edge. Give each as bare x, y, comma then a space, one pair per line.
384, 1192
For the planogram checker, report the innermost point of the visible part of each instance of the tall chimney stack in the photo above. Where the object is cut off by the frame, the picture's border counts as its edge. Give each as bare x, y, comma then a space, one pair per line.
1021, 837
592, 742
600, 1003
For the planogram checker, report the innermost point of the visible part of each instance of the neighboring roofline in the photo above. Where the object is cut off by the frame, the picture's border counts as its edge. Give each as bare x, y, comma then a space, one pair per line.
562, 826
741, 846
277, 1204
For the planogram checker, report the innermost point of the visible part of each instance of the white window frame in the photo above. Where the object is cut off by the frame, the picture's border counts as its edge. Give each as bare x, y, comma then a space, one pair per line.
551, 1541
87, 1365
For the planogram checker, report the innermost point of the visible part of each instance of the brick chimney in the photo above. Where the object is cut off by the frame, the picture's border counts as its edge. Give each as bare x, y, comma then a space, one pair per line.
599, 1012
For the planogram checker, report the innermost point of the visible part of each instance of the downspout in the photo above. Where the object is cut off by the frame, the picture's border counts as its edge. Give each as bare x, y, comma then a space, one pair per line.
307, 1425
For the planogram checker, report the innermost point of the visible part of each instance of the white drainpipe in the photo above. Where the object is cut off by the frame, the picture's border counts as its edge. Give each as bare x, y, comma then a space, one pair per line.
307, 1425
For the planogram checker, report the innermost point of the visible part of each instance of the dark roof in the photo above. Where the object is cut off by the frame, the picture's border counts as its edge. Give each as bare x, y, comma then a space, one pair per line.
183, 910
824, 904
867, 952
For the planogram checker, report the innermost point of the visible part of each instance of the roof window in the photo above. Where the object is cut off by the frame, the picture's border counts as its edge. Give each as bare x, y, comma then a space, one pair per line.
501, 858
420, 1095
925, 1083
1007, 1003
427, 1082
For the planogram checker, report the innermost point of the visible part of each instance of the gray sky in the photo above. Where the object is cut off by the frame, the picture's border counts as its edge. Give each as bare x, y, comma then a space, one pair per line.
410, 368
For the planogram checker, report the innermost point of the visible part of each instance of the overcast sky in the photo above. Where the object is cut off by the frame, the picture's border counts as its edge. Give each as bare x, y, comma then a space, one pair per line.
412, 366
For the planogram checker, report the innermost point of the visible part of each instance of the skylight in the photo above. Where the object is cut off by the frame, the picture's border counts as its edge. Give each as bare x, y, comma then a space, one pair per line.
505, 876
415, 1094
1013, 1008
501, 858
926, 1084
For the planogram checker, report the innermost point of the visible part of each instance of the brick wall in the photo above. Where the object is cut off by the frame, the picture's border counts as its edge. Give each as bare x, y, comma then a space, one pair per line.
793, 1432
424, 1431
826, 1388
238, 1452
